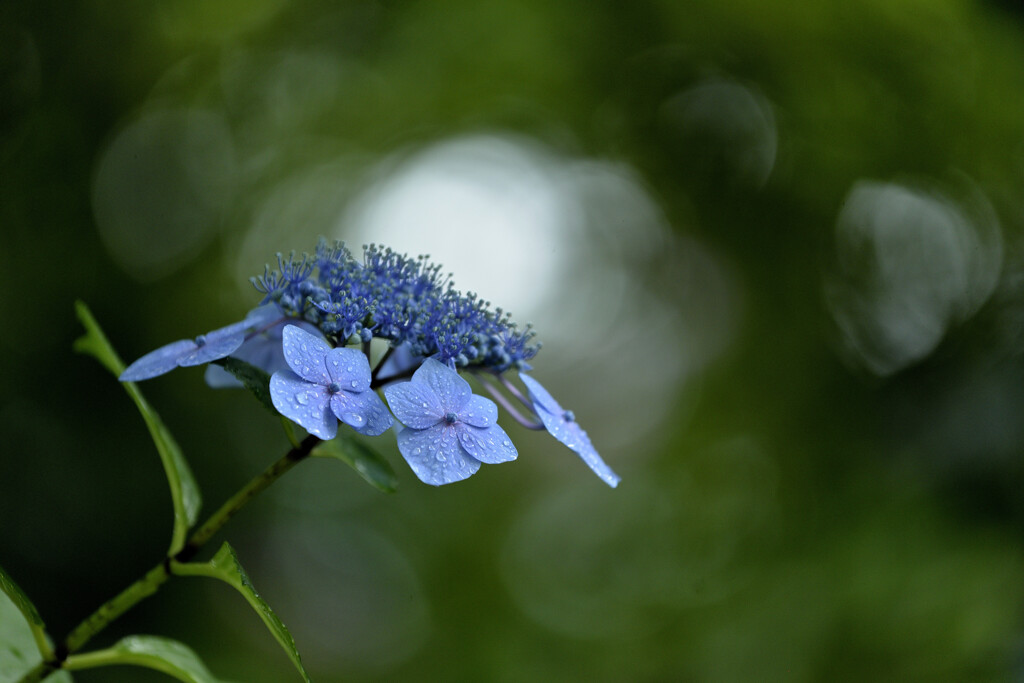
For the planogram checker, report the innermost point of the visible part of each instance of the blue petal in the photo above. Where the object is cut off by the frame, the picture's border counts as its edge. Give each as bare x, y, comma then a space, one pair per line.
305, 354
401, 360
261, 316
568, 432
349, 368
157, 362
303, 403
414, 404
452, 391
573, 436
435, 455
364, 412
540, 395
490, 446
217, 377
479, 412
262, 350
219, 344
595, 463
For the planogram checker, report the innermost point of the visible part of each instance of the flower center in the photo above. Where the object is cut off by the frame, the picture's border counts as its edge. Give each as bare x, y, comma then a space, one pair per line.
333, 387
201, 340
569, 416
451, 418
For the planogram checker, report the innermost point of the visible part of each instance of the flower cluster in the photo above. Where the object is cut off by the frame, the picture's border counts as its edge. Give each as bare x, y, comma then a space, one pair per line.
403, 300
312, 333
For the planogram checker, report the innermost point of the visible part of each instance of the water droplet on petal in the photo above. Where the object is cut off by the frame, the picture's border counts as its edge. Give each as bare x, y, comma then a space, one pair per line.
354, 419
304, 347
354, 384
505, 443
417, 450
303, 399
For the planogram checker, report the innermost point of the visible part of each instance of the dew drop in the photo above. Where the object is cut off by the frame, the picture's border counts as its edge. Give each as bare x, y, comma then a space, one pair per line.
304, 347
505, 443
303, 399
354, 384
417, 450
354, 419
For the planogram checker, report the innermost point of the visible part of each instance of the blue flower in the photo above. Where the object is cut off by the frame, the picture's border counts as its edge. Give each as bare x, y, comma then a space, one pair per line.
325, 385
562, 425
203, 349
448, 431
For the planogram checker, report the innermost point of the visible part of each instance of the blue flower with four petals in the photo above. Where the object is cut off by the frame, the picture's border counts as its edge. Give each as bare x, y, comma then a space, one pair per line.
449, 430
325, 385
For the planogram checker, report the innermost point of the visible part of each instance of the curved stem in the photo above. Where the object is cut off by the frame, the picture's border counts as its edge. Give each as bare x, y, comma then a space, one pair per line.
39, 673
507, 405
514, 390
381, 381
381, 362
115, 607
155, 577
236, 502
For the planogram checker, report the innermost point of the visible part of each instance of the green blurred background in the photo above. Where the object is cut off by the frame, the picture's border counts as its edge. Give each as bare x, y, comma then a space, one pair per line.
774, 251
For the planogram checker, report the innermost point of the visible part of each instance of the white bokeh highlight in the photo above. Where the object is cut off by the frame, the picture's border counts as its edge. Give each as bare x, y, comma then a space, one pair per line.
911, 263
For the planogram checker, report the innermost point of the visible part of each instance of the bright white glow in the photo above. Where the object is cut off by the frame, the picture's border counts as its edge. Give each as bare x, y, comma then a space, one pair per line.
577, 247
485, 208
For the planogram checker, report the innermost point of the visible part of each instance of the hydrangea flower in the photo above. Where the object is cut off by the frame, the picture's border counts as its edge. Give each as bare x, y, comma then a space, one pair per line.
325, 385
315, 306
448, 431
403, 300
562, 425
207, 347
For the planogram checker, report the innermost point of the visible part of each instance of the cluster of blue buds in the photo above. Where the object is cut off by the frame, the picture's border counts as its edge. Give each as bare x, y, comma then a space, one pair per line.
313, 332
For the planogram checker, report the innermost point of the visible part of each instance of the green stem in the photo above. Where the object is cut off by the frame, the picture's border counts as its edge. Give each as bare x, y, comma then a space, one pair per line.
236, 502
116, 606
156, 576
90, 660
39, 673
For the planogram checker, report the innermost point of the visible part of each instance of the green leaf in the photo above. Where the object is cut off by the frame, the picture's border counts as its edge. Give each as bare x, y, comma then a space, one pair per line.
184, 491
225, 566
18, 636
370, 465
162, 654
29, 611
253, 378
